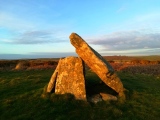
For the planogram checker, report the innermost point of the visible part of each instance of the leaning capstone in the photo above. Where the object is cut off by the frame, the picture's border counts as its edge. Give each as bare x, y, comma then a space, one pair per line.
97, 63
69, 78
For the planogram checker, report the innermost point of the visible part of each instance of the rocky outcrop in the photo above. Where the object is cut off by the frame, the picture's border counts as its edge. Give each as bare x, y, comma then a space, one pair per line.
97, 63
69, 78
22, 65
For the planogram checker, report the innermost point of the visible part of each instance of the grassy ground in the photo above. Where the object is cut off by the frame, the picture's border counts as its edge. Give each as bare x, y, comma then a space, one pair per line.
21, 98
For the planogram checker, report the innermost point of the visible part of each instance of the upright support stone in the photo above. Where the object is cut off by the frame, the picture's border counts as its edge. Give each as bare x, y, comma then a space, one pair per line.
97, 63
69, 78
52, 82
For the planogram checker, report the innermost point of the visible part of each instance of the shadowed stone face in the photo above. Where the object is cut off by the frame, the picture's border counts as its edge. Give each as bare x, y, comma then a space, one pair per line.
69, 78
97, 63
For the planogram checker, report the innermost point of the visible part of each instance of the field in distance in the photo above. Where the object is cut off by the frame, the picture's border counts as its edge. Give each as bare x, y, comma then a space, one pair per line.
118, 62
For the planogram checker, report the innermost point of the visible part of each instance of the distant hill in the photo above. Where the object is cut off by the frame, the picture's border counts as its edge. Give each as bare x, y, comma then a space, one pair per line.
128, 58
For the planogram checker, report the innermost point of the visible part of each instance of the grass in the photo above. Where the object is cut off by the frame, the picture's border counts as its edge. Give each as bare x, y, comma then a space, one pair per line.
21, 97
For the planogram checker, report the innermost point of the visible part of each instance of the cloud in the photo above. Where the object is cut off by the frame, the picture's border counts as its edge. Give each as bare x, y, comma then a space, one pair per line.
127, 40
139, 34
121, 9
141, 52
13, 22
38, 37
20, 31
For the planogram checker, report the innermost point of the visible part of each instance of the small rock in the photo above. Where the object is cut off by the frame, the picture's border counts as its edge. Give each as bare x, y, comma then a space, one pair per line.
108, 97
95, 98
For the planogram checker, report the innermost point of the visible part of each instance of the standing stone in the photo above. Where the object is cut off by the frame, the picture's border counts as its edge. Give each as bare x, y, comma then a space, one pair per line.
52, 82
97, 63
69, 78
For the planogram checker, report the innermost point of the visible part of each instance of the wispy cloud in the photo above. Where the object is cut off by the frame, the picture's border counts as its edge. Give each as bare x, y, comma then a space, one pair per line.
127, 40
133, 52
121, 9
38, 37
13, 22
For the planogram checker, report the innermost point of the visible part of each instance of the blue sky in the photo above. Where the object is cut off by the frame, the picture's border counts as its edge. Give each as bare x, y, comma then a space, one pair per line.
41, 28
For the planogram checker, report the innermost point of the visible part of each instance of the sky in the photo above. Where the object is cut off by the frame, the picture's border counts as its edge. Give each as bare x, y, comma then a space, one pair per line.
41, 28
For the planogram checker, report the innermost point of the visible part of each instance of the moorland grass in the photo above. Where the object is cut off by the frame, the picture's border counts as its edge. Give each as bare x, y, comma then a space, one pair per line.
22, 97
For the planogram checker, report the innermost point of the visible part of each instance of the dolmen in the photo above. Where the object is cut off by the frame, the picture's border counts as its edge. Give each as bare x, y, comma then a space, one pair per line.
69, 76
